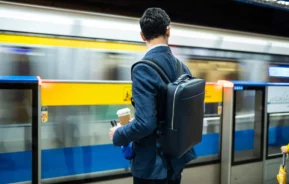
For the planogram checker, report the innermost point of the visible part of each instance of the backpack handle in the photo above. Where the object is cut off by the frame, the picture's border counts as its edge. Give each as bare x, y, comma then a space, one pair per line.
183, 78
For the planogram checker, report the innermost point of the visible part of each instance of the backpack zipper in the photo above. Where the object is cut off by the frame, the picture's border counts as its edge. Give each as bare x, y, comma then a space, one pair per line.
173, 116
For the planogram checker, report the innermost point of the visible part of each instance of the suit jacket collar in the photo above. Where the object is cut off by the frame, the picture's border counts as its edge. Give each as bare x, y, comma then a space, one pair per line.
158, 49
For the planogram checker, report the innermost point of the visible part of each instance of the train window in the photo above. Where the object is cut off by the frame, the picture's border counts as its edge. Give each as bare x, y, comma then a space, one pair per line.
212, 70
278, 73
247, 131
277, 133
24, 61
117, 66
15, 61
15, 135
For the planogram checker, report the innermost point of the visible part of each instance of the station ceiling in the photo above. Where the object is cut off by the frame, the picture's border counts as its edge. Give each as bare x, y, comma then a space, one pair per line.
226, 14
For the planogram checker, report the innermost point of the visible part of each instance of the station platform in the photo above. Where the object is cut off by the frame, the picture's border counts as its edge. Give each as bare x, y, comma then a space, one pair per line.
56, 131
189, 177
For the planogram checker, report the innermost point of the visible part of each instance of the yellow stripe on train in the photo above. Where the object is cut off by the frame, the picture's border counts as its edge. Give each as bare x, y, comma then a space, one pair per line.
73, 94
73, 43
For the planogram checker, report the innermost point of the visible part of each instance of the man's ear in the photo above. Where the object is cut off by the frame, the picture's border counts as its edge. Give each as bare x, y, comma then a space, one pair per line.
143, 37
168, 31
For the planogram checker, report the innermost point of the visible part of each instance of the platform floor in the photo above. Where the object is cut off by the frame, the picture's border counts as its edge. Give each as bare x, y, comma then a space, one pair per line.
189, 177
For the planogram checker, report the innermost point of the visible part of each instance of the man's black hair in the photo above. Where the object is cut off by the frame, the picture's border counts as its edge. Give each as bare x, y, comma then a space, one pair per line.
154, 23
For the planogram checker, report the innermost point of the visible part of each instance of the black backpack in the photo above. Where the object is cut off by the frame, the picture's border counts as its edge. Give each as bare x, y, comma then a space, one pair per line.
182, 127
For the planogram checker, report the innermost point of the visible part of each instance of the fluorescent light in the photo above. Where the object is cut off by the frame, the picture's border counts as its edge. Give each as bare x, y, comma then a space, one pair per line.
108, 24
31, 16
193, 34
245, 40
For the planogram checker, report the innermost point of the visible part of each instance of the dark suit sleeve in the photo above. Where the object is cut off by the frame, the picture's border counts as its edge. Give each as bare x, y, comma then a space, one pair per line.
144, 90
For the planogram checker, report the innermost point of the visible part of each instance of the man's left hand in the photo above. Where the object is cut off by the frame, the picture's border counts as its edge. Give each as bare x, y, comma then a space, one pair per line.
284, 149
112, 130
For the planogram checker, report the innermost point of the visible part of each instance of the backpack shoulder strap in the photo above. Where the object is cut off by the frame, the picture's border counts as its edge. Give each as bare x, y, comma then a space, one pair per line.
155, 67
180, 68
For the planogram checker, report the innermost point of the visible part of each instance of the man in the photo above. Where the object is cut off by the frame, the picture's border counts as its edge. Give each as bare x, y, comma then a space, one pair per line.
149, 164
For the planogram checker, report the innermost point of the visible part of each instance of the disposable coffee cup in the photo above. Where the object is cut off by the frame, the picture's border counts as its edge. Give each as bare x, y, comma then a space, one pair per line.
123, 116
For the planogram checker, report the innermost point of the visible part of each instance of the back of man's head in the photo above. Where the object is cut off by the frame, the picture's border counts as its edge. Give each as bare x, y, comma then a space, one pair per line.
154, 23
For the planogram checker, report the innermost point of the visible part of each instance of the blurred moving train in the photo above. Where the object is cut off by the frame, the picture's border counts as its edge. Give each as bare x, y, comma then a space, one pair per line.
79, 46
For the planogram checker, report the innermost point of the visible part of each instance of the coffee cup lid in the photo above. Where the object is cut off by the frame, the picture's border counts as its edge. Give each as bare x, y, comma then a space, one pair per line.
123, 111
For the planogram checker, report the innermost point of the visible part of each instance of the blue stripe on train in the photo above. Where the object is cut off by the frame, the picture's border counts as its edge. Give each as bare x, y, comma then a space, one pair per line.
15, 167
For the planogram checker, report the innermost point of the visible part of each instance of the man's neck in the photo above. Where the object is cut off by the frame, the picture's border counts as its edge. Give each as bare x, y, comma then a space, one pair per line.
156, 41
